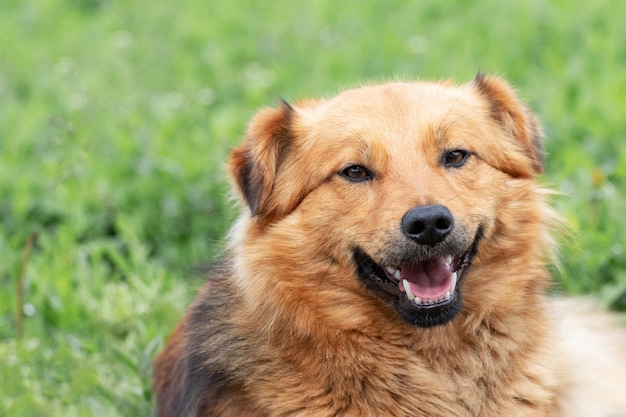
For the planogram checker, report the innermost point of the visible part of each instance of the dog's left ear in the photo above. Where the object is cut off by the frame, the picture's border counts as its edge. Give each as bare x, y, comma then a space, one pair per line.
254, 164
516, 119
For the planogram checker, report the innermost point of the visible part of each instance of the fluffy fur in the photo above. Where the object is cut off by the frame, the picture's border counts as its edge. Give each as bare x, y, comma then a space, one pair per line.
301, 320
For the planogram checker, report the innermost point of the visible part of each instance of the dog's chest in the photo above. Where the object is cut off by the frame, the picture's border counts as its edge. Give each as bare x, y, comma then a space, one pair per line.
368, 380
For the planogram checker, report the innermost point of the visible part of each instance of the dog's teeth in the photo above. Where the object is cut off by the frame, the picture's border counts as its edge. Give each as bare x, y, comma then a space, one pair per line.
407, 289
448, 260
417, 300
393, 272
452, 283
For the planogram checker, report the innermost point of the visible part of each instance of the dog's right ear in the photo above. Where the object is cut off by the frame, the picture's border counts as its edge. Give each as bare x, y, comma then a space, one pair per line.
254, 164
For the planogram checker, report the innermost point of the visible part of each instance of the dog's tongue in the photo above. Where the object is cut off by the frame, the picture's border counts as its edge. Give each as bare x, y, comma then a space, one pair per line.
429, 279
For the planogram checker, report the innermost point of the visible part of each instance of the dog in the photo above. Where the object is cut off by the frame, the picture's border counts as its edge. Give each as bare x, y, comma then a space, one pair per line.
391, 259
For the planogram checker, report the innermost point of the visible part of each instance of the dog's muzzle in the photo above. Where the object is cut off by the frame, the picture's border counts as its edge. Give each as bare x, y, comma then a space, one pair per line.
424, 290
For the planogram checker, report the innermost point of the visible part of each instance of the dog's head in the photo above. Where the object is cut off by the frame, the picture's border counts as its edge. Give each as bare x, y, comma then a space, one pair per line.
401, 184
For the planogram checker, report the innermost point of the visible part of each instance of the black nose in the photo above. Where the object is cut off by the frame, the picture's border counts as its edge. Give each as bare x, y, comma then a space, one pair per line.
427, 224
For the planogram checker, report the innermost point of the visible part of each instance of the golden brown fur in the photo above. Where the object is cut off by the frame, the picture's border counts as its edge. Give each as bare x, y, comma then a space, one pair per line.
288, 326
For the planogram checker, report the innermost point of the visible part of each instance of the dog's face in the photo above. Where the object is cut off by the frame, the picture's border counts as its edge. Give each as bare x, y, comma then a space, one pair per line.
398, 184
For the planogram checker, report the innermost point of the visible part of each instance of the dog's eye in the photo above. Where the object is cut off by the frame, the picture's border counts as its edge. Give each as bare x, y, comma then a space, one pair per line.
455, 158
356, 173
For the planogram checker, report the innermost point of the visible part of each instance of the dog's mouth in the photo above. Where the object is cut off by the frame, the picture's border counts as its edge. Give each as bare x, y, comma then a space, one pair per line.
425, 292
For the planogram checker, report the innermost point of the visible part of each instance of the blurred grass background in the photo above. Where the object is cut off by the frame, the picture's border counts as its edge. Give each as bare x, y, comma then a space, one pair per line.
116, 117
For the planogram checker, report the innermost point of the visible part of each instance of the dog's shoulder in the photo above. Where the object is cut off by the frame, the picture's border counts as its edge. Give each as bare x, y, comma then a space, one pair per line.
190, 378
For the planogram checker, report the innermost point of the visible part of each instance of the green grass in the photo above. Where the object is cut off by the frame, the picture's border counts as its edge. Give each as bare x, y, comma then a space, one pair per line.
116, 117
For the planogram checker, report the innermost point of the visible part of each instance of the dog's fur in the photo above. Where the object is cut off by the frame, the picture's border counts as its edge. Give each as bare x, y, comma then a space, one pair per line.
300, 321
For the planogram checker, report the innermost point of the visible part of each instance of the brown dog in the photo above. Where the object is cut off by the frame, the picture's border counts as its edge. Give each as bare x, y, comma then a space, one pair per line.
391, 261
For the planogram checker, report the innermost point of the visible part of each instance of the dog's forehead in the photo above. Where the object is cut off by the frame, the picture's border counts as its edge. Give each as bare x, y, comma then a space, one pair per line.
398, 111
401, 99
